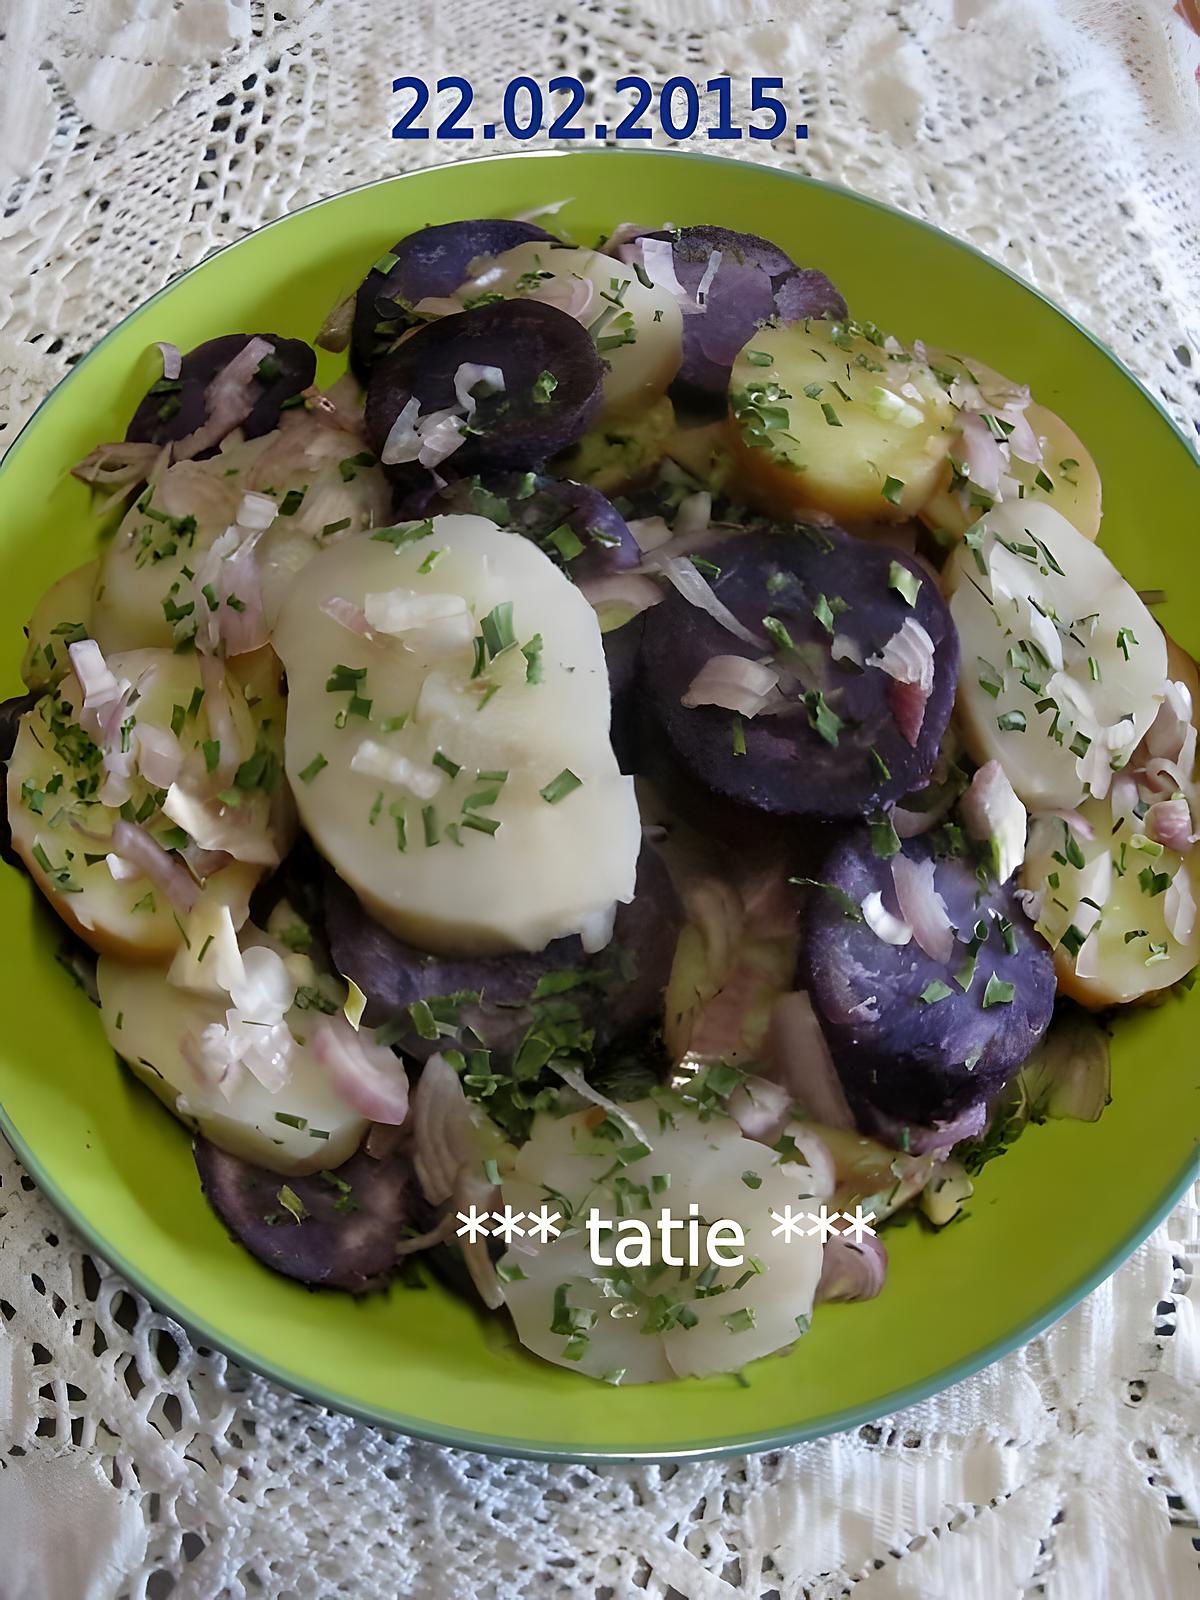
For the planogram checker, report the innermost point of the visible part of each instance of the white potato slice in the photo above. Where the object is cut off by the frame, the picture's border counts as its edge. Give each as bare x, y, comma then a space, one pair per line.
826, 416
439, 778
638, 327
1063, 667
1128, 950
630, 1323
141, 582
325, 483
62, 831
62, 614
327, 487
147, 1020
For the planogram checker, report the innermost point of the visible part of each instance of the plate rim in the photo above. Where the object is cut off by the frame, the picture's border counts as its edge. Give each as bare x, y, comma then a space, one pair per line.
824, 1426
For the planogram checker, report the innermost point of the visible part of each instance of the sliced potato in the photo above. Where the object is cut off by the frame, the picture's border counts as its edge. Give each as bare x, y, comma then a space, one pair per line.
828, 416
633, 1323
638, 326
612, 455
61, 830
458, 773
63, 614
141, 584
1063, 667
147, 1019
1066, 465
1127, 950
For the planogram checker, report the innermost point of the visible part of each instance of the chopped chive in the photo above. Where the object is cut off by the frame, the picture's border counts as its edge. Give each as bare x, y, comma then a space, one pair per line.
892, 490
1011, 722
906, 584
822, 717
739, 737
777, 631
472, 819
453, 768
497, 629
317, 764
559, 788
429, 822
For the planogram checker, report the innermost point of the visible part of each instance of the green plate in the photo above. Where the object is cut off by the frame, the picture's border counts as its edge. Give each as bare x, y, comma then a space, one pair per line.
1048, 1222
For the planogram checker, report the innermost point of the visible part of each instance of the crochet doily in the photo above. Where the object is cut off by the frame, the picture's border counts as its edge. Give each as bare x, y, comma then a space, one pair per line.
135, 135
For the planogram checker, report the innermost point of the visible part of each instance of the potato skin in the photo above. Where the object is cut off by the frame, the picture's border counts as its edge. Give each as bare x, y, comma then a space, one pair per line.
515, 428
902, 1055
431, 263
297, 365
334, 1245
788, 767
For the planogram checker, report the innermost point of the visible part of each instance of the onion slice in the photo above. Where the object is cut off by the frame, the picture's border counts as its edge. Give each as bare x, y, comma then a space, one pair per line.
133, 844
800, 1061
684, 575
369, 1077
734, 682
228, 400
852, 1270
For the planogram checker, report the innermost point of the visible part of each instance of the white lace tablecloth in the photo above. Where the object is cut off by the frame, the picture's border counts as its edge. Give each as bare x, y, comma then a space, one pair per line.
135, 135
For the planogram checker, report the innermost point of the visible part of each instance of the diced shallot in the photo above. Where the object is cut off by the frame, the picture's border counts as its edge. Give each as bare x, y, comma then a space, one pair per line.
577, 1081
228, 400
159, 755
659, 261
375, 760
734, 682
350, 616
852, 1269
171, 359
695, 589
1169, 823
133, 844
993, 813
907, 658
628, 592
370, 1078
922, 907
800, 1060
885, 926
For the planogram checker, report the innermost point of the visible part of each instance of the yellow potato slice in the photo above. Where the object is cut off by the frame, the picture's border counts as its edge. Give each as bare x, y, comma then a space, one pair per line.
1058, 654
61, 830
1072, 475
146, 1018
62, 614
828, 416
1128, 951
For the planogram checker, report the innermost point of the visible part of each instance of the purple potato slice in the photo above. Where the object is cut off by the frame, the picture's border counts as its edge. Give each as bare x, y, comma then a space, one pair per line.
807, 293
578, 528
617, 990
174, 408
525, 422
350, 1220
908, 1039
836, 749
430, 264
754, 280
